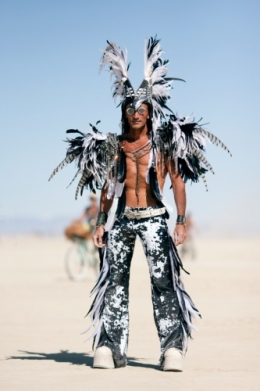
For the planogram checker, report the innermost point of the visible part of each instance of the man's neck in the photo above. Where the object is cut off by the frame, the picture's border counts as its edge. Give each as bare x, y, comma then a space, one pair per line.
136, 134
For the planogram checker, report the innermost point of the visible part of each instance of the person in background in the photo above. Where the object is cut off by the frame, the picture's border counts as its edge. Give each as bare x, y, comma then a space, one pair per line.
84, 226
89, 216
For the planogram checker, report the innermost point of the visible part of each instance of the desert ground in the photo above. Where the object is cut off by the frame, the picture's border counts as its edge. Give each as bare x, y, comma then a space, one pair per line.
43, 317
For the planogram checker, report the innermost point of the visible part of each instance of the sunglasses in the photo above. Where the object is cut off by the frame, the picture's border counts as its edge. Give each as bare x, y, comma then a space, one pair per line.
131, 111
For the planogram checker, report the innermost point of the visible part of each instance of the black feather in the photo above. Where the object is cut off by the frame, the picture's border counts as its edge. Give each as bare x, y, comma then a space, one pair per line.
74, 131
121, 206
121, 170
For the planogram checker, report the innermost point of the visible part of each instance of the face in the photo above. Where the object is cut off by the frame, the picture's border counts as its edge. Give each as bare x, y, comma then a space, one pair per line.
137, 121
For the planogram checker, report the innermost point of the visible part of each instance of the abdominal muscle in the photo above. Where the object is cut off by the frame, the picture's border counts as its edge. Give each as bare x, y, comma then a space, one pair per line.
145, 196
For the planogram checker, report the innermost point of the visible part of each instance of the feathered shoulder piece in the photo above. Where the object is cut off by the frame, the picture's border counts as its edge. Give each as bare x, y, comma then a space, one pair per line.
183, 140
94, 154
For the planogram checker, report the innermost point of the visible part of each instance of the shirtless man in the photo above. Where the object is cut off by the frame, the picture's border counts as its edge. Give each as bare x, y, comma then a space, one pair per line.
153, 232
134, 167
136, 138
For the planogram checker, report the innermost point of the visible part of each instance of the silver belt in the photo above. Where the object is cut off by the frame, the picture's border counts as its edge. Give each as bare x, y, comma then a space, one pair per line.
143, 214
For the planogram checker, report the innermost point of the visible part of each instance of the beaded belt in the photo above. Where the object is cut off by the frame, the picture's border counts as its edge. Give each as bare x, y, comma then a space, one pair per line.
143, 214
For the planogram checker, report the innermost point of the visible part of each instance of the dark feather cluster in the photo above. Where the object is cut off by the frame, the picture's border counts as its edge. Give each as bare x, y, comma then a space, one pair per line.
182, 140
186, 173
94, 155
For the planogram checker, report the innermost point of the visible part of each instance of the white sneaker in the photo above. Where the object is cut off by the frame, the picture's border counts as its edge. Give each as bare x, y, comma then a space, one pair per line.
103, 358
173, 360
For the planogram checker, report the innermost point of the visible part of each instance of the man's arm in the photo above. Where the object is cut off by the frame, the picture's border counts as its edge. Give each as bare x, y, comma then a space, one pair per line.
179, 193
105, 206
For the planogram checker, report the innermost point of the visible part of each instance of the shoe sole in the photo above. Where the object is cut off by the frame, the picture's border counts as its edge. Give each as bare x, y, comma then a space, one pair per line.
103, 361
173, 364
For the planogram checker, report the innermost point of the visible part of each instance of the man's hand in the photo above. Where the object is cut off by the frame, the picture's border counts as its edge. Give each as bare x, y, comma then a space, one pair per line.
98, 236
179, 234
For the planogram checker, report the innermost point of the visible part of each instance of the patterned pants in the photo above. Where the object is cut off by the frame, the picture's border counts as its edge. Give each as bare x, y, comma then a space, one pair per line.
155, 239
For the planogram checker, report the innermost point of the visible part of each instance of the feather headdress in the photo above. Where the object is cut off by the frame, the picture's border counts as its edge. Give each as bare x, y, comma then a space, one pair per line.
154, 89
181, 140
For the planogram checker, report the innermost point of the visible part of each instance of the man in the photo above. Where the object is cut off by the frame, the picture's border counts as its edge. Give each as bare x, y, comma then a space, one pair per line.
136, 138
131, 170
121, 238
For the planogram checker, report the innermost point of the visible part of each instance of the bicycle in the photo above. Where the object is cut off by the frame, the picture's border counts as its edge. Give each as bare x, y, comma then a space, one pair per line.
80, 257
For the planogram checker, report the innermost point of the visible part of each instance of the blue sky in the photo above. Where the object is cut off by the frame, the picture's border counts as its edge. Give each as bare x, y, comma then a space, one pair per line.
50, 54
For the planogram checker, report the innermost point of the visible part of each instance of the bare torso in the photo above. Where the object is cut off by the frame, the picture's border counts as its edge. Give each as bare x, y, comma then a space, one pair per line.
138, 193
137, 190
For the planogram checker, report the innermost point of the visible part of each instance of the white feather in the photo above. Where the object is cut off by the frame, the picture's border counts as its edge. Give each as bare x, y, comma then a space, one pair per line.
116, 59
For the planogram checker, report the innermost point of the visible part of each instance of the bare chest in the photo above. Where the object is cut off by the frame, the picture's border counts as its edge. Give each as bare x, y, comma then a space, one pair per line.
137, 160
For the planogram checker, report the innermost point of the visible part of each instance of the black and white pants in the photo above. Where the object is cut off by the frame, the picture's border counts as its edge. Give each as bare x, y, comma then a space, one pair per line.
172, 307
113, 303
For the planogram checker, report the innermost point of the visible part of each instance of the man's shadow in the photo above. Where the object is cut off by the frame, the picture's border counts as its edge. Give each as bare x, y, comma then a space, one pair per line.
65, 356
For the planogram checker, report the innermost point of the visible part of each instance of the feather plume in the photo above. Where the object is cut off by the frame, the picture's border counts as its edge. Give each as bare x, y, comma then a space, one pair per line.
155, 72
82, 183
116, 60
95, 156
64, 162
204, 181
212, 138
75, 176
201, 157
184, 140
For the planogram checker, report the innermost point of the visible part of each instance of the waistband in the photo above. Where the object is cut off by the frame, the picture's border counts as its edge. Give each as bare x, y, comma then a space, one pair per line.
143, 213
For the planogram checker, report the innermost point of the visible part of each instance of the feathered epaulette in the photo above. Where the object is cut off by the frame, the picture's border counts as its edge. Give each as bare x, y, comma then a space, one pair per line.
94, 154
183, 140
